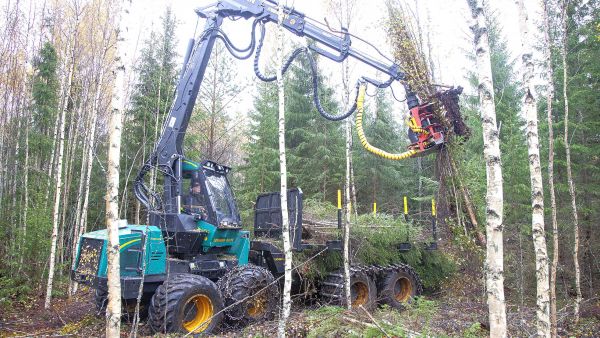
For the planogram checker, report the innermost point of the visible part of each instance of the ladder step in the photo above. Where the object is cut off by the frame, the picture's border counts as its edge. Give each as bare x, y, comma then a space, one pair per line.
333, 284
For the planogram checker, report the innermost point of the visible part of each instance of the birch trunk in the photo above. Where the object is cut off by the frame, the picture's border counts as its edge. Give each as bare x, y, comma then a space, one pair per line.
58, 176
285, 224
549, 98
72, 141
82, 221
569, 170
346, 232
344, 12
63, 101
494, 195
348, 183
26, 192
78, 211
529, 110
113, 309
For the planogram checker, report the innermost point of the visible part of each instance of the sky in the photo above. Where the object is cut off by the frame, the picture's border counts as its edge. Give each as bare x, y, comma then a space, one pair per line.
446, 20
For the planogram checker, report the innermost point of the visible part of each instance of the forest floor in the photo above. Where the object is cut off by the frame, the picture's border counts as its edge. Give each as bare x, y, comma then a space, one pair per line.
458, 312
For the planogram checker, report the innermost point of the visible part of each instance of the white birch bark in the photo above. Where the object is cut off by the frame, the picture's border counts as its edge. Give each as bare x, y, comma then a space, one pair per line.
529, 110
88, 159
569, 170
65, 92
113, 309
285, 223
494, 196
344, 11
58, 177
346, 232
26, 192
549, 99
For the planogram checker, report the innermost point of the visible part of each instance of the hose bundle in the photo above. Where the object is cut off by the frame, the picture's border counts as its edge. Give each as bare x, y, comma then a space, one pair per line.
361, 133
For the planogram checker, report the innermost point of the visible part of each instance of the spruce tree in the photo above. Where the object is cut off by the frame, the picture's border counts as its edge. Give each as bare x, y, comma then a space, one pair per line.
151, 99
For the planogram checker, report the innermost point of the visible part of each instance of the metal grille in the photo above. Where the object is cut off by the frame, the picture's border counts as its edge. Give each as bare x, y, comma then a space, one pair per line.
89, 256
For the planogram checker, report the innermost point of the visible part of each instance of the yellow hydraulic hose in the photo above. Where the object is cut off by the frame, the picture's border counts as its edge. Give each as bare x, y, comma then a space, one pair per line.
361, 134
412, 124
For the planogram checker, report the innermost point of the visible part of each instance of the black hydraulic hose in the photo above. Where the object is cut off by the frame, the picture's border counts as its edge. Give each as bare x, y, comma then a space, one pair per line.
313, 72
233, 50
241, 50
286, 65
313, 68
316, 100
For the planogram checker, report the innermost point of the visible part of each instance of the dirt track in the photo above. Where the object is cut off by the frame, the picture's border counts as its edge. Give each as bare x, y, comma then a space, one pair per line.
455, 314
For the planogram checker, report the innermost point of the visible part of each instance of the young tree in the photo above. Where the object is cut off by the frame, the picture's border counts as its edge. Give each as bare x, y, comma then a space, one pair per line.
113, 309
344, 12
151, 98
212, 131
529, 110
564, 17
494, 196
549, 99
59, 166
285, 223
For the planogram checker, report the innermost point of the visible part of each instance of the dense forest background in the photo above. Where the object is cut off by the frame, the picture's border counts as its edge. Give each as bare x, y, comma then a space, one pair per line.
55, 92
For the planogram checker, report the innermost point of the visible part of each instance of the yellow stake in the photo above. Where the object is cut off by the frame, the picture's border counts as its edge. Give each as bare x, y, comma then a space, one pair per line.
405, 205
339, 198
433, 207
374, 208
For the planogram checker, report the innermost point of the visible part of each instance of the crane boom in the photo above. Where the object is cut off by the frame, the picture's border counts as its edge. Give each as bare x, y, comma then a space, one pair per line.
168, 153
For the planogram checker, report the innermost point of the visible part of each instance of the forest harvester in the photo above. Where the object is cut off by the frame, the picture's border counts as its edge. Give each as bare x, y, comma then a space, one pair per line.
194, 265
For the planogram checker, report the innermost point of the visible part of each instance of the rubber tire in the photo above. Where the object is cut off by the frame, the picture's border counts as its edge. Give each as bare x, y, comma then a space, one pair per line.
388, 282
127, 312
243, 282
166, 306
335, 294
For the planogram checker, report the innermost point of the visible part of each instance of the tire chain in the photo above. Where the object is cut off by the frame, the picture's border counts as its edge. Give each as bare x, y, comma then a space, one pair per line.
227, 290
374, 272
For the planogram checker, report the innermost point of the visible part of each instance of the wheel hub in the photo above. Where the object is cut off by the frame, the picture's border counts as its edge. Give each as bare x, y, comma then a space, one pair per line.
360, 293
198, 311
257, 305
402, 289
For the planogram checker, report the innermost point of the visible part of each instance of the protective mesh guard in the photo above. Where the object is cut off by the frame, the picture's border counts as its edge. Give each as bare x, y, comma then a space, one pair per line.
89, 256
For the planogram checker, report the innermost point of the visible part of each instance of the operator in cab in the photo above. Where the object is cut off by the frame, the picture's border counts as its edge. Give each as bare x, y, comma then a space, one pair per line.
194, 203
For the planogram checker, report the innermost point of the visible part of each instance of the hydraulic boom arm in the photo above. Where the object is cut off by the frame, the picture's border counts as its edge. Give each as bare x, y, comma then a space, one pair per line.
168, 153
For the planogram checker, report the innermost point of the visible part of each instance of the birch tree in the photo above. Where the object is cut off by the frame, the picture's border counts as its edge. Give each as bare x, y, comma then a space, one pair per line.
529, 110
113, 309
494, 196
549, 99
344, 11
58, 169
563, 52
285, 223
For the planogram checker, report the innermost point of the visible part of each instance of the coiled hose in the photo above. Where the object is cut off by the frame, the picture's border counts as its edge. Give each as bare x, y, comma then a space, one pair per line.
361, 133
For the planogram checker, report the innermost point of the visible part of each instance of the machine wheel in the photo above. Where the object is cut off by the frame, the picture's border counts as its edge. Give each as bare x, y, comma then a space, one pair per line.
186, 303
363, 290
399, 286
255, 288
128, 305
